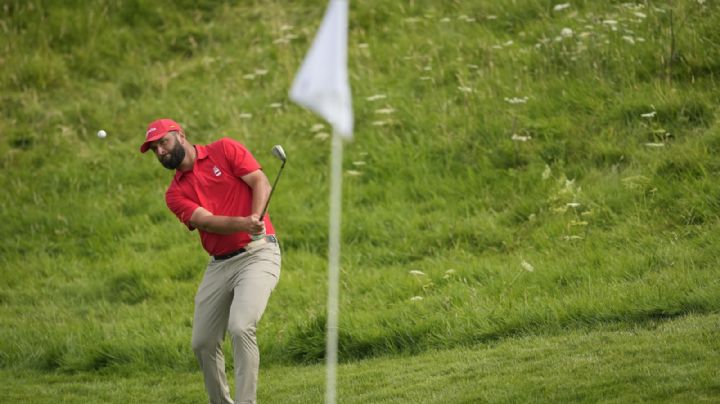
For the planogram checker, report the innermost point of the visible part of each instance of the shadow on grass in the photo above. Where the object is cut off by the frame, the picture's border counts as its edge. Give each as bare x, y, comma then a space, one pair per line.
307, 344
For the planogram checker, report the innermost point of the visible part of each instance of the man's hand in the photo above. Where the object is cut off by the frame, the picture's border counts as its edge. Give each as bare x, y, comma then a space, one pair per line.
255, 225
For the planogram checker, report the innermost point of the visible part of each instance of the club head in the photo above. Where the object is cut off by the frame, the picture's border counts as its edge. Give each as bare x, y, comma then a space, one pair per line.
278, 152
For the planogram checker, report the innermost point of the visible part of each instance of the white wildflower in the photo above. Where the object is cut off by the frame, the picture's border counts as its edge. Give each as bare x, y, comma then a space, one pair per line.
385, 111
526, 266
415, 272
376, 97
245, 115
322, 136
566, 32
629, 39
655, 144
508, 43
649, 115
275, 105
358, 163
520, 138
445, 20
260, 72
491, 17
516, 100
317, 127
416, 298
610, 22
353, 173
640, 15
249, 77
465, 89
560, 7
572, 205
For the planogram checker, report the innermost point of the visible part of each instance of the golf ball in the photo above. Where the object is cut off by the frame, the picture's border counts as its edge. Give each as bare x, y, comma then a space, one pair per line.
101, 134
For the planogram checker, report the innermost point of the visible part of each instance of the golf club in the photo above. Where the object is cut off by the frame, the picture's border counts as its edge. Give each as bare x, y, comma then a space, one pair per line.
278, 152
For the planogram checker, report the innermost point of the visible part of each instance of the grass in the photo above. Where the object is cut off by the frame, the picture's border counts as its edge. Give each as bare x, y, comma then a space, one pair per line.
658, 361
519, 175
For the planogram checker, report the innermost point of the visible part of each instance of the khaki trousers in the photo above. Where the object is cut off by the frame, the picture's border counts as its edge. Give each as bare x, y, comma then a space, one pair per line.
232, 297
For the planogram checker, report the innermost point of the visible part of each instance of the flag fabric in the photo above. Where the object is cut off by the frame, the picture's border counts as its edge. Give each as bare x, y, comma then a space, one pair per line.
321, 84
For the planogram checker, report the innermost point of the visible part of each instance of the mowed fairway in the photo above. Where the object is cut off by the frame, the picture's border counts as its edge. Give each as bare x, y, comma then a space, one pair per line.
669, 361
531, 200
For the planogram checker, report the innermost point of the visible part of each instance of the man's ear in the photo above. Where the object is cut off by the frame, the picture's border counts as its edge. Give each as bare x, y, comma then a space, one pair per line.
182, 138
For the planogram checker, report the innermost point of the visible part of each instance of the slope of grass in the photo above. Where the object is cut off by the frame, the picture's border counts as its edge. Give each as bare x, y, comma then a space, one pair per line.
517, 170
660, 361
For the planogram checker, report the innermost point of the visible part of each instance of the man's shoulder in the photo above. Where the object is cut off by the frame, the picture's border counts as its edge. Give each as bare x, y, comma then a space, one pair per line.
227, 148
221, 143
174, 185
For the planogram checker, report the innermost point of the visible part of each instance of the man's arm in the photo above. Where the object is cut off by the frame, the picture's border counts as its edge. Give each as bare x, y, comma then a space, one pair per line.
258, 181
204, 220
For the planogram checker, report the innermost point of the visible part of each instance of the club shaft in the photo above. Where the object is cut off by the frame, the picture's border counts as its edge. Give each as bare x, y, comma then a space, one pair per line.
272, 190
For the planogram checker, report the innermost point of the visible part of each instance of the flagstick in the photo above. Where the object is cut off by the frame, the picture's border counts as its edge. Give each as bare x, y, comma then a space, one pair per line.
334, 266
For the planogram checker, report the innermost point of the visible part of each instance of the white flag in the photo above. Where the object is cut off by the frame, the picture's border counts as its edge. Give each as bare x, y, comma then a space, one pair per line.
321, 84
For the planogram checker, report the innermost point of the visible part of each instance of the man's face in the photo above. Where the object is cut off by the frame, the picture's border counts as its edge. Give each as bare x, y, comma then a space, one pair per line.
169, 150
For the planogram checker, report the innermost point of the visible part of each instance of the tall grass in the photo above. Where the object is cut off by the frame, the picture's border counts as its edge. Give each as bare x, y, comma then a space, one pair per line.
516, 170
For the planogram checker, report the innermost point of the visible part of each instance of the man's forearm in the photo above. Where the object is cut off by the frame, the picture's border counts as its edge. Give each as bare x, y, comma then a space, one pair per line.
222, 224
258, 182
260, 197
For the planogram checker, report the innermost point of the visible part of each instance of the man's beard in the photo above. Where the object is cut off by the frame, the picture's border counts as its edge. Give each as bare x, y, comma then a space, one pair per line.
172, 160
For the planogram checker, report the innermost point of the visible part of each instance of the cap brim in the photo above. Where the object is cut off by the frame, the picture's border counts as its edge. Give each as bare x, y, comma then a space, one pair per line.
145, 146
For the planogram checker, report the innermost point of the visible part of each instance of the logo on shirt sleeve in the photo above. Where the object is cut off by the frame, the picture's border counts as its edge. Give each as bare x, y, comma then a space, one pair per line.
217, 171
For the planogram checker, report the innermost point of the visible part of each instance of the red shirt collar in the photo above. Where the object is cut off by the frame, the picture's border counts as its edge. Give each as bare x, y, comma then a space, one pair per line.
201, 154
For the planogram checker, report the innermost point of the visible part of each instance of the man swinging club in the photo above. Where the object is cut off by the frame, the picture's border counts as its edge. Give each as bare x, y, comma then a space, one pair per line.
221, 190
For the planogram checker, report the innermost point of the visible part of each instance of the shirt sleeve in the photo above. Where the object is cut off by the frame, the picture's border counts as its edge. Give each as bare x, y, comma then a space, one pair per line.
239, 158
181, 206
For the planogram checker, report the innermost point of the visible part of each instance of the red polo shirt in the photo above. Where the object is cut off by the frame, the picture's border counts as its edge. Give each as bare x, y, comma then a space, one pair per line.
215, 184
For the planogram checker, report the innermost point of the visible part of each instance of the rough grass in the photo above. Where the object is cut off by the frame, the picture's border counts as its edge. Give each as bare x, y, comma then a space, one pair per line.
539, 171
659, 361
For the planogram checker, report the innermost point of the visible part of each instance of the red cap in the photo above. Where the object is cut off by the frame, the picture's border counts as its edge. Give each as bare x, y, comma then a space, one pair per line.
158, 129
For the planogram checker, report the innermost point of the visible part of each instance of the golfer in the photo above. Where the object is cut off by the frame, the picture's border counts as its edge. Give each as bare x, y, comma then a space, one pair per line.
220, 190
